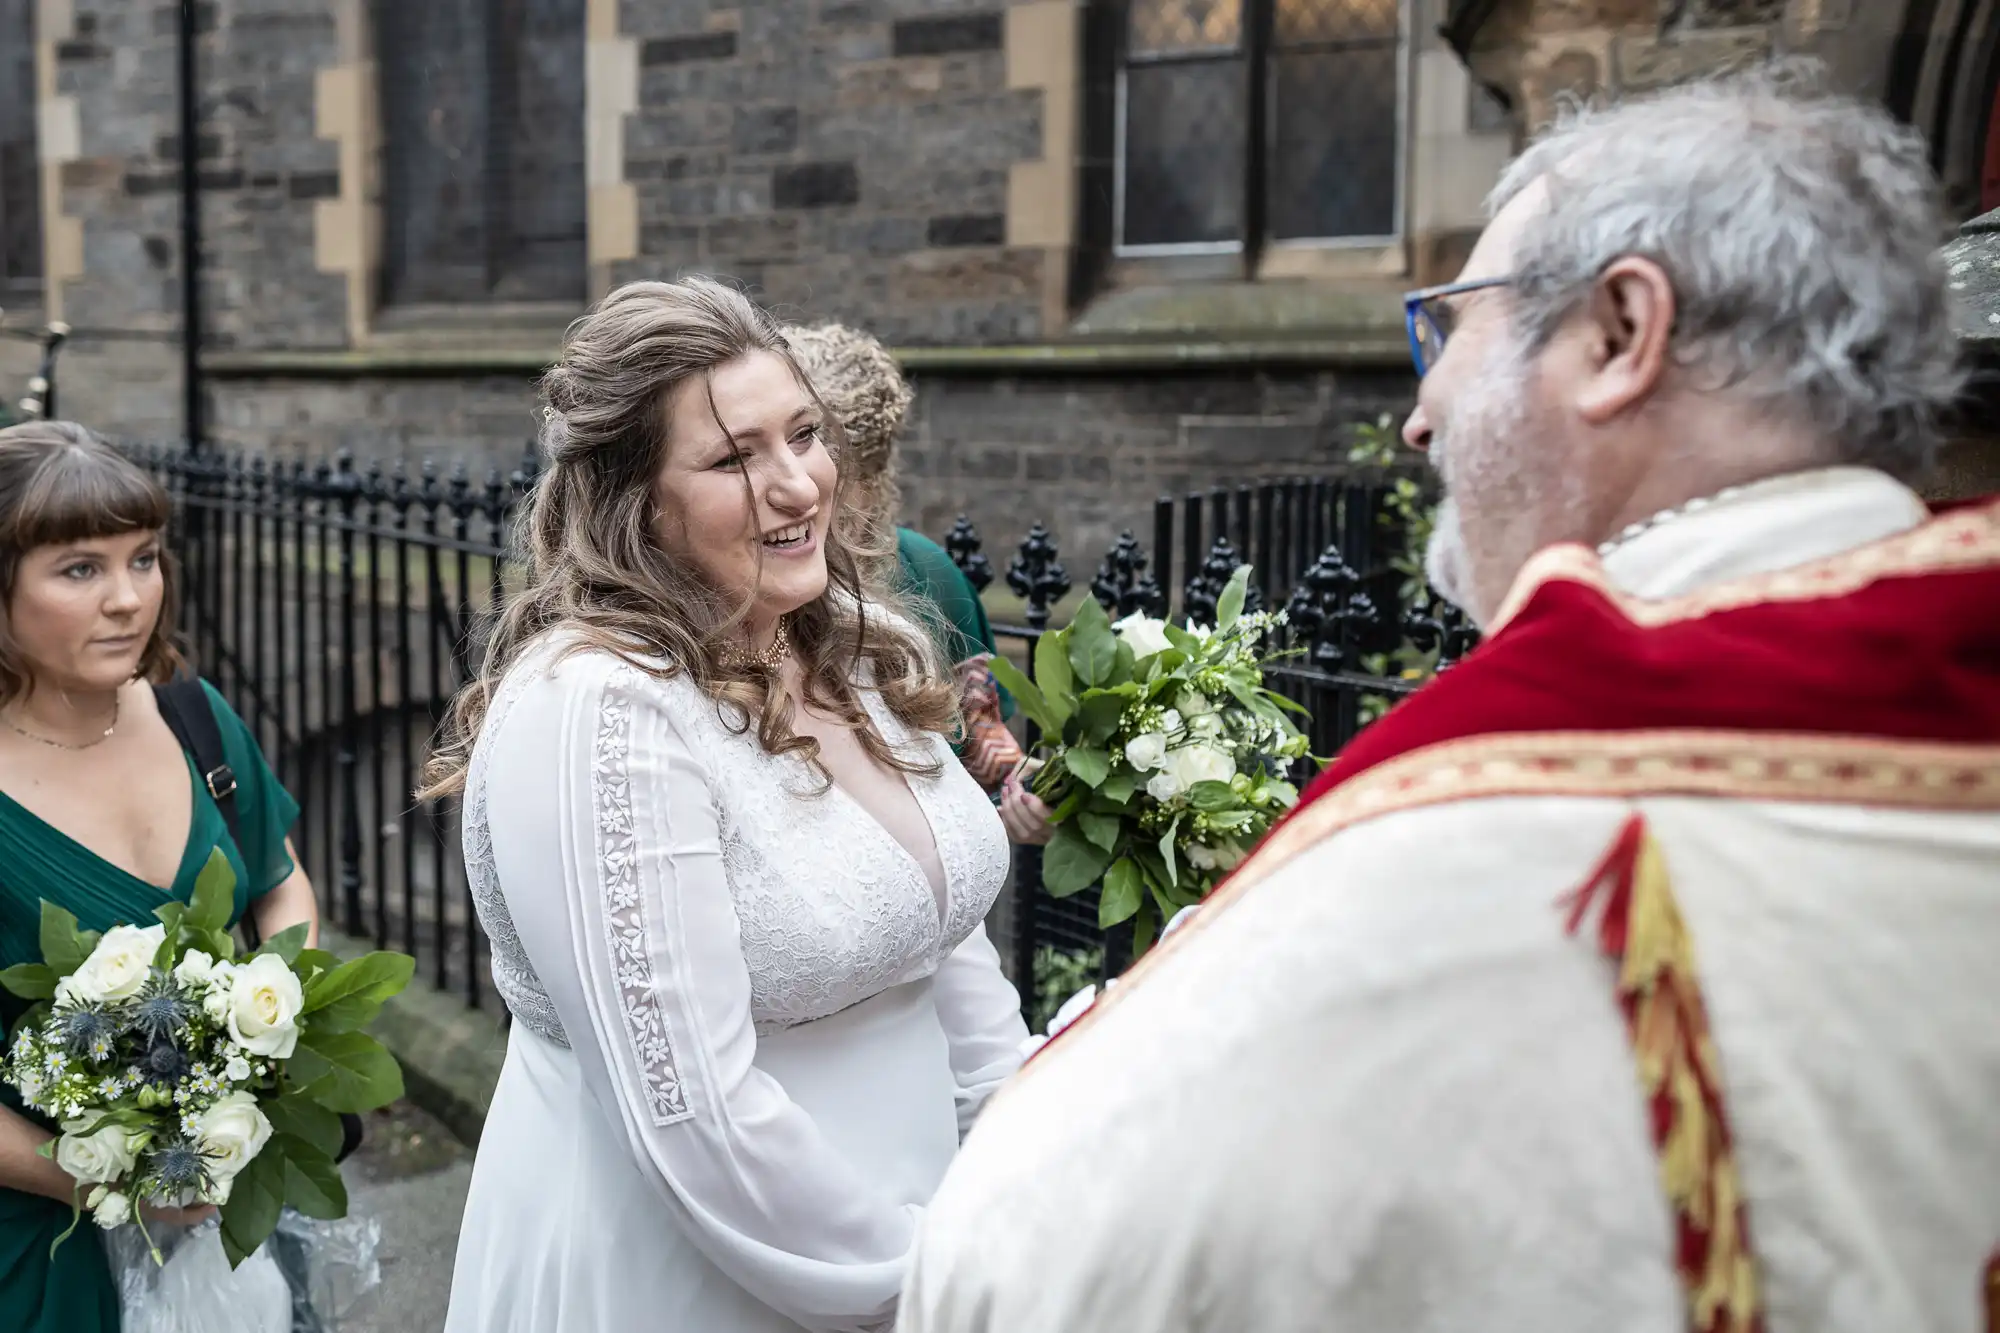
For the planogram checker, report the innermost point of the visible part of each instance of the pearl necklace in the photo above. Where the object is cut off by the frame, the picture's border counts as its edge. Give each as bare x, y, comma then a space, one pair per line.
1668, 515
20, 730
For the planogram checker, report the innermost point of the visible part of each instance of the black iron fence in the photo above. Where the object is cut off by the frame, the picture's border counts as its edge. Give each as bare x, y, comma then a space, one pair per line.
335, 605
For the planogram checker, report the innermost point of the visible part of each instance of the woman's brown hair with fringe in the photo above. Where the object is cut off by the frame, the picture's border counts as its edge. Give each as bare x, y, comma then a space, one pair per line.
594, 569
61, 483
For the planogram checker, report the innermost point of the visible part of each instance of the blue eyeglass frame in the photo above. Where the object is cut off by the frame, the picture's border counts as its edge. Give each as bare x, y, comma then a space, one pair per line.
1415, 313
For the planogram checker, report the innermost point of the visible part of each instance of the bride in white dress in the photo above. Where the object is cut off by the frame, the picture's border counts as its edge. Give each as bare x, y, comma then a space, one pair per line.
733, 877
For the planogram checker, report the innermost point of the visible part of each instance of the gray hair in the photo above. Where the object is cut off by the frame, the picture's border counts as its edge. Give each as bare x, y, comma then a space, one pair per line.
1800, 231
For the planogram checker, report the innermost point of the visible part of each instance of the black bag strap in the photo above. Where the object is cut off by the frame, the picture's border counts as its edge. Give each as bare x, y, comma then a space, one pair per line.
184, 707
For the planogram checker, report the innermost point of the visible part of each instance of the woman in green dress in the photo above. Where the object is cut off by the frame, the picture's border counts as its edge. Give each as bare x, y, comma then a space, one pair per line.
101, 811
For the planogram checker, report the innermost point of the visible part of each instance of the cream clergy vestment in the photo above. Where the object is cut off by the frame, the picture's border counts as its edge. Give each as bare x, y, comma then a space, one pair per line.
1387, 1086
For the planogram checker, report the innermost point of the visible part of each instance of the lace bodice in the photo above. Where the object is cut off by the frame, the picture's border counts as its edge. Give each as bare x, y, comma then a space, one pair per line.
830, 908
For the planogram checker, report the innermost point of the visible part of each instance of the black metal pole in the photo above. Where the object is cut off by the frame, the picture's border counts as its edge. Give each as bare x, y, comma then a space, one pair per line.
191, 332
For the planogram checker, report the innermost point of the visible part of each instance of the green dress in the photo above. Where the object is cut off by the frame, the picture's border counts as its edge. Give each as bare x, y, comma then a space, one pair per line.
73, 1292
935, 581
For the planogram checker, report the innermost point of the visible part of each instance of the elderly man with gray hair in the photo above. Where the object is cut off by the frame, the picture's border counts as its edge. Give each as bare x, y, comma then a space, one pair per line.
1641, 973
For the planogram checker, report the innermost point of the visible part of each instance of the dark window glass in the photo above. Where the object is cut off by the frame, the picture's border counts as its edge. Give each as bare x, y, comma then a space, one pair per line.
20, 160
482, 112
1328, 92
1184, 146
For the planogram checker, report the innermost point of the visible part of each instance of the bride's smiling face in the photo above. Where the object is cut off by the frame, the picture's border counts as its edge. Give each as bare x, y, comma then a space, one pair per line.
746, 491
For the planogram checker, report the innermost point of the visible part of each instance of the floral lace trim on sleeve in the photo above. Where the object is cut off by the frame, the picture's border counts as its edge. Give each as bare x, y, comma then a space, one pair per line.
626, 930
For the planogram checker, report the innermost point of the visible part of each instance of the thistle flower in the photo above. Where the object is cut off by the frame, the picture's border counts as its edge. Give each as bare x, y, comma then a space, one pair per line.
178, 1167
162, 1012
163, 1064
86, 1032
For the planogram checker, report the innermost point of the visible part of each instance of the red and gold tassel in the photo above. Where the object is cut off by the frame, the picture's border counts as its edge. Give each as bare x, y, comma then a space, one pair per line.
1639, 928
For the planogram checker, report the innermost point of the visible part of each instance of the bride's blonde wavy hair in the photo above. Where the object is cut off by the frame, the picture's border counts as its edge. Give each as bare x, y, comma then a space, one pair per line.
593, 567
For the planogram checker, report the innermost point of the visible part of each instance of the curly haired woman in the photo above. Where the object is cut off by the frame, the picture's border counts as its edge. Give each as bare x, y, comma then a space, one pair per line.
733, 878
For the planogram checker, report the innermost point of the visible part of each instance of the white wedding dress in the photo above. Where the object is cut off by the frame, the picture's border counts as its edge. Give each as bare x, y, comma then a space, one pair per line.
749, 1030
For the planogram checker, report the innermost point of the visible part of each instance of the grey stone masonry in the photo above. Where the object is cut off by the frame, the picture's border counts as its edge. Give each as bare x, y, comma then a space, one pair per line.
847, 159
261, 169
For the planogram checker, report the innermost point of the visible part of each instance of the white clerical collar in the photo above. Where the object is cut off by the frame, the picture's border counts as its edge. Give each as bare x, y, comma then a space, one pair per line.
1766, 526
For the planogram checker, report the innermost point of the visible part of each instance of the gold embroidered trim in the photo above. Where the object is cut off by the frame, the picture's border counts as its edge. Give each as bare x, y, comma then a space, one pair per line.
1964, 539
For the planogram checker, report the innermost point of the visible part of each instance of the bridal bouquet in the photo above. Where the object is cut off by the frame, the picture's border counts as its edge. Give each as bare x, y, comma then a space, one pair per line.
1165, 755
182, 1074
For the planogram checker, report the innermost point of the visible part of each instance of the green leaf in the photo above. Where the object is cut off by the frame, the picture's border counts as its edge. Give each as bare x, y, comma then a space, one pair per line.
1069, 805
312, 1182
1144, 927
287, 944
1289, 705
1072, 862
1211, 796
30, 981
350, 1014
306, 1120
1089, 766
255, 1200
312, 961
1093, 647
1187, 644
213, 902
1118, 788
1026, 693
1168, 852
1229, 606
1099, 711
1102, 830
171, 916
374, 976
64, 947
1053, 677
345, 1071
1123, 886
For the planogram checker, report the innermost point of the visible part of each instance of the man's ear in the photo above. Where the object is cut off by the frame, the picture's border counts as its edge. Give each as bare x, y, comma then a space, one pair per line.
1628, 338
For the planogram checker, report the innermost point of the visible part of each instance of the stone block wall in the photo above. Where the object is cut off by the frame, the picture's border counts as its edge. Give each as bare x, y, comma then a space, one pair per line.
261, 170
848, 155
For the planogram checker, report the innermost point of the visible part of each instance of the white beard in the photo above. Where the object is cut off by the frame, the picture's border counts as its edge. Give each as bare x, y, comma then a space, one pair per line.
1480, 450
1446, 561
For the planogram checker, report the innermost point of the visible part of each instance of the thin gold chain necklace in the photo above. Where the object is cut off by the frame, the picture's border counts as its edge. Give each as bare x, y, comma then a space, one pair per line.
19, 730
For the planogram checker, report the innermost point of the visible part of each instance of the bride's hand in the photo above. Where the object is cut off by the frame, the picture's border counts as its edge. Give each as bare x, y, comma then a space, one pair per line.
1023, 813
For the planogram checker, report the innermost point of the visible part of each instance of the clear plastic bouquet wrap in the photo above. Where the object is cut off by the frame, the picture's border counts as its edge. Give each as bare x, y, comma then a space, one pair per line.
310, 1277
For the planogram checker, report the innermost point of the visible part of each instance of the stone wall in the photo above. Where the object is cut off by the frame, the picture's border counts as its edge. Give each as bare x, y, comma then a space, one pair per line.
1086, 454
838, 156
260, 164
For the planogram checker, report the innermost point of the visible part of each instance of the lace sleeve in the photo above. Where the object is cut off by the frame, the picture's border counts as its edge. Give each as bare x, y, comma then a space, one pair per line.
640, 955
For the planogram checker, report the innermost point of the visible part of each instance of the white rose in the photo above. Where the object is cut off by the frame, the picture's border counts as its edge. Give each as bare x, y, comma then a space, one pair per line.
194, 970
96, 1158
237, 1070
1200, 763
1194, 703
113, 1210
232, 1131
1146, 752
1163, 786
116, 968
1170, 721
264, 1004
1146, 635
